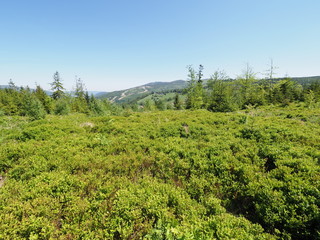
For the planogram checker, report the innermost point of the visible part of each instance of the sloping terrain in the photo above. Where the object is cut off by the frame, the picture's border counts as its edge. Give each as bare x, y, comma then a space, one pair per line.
162, 175
143, 91
137, 93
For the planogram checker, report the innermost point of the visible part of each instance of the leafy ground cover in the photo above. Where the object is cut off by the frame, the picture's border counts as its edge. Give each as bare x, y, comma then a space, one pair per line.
250, 174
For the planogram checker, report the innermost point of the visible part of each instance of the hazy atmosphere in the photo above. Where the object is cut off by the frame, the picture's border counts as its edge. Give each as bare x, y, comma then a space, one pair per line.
113, 45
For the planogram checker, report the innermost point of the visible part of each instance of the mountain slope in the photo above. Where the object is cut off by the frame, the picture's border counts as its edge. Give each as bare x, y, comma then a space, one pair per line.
143, 91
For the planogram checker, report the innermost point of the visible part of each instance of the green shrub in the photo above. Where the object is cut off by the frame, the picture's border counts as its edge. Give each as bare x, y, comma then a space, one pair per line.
162, 175
62, 107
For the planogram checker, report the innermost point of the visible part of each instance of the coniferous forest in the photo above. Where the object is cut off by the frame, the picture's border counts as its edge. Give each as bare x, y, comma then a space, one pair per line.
225, 159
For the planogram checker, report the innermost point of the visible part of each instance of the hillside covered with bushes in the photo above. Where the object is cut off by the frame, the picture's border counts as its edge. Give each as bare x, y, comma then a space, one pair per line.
251, 174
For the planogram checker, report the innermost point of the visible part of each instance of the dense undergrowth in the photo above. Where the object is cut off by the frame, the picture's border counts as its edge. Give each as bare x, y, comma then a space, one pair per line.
162, 175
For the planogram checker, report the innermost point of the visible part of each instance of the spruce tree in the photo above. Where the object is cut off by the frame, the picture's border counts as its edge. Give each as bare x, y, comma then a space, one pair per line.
57, 87
79, 102
31, 106
195, 92
220, 93
177, 104
44, 99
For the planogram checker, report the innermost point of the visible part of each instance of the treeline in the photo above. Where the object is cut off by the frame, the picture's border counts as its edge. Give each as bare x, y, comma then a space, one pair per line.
222, 94
218, 94
36, 103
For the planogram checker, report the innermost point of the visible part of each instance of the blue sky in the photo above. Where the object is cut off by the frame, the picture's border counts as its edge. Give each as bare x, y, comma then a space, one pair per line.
113, 45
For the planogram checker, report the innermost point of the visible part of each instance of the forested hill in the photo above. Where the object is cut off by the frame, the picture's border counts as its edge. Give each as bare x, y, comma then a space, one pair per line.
140, 92
306, 80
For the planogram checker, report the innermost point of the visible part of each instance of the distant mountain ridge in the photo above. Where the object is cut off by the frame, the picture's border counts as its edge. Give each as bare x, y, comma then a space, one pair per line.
130, 94
305, 80
139, 92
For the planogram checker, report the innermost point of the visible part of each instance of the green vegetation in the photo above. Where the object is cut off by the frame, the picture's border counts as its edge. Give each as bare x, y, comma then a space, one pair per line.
36, 104
222, 94
252, 174
230, 159
217, 94
137, 93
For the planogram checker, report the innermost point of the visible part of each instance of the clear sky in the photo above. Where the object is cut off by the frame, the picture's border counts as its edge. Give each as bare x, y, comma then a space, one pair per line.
113, 45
